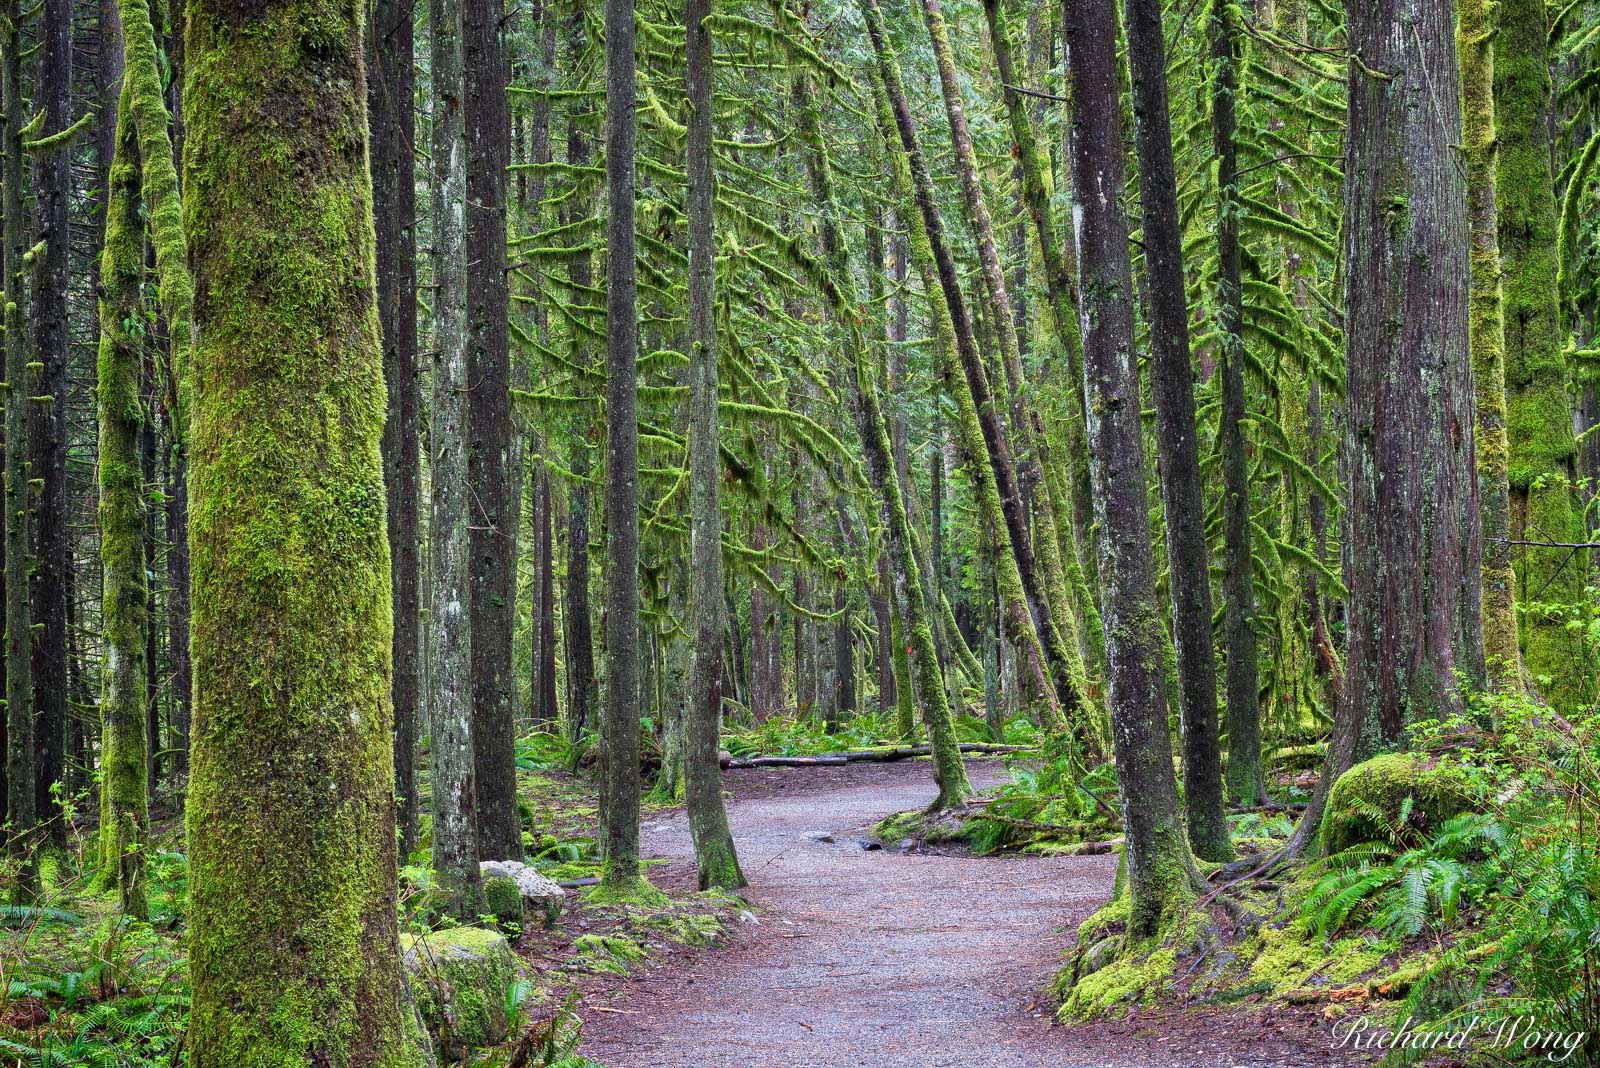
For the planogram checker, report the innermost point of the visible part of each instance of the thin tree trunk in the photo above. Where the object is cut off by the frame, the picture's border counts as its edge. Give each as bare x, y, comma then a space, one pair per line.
1475, 31
1244, 778
1038, 559
455, 814
1171, 378
949, 771
494, 501
47, 432
715, 857
976, 411
1539, 404
619, 793
581, 681
20, 769
124, 808
390, 93
1157, 855
291, 796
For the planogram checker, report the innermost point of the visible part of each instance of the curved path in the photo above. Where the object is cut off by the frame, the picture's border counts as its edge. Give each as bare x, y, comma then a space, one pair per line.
901, 960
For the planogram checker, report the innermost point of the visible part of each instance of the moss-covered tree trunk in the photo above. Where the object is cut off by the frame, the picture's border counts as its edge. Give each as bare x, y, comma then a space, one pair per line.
619, 760
1475, 35
1171, 380
1538, 406
1244, 780
1157, 855
1068, 489
454, 792
293, 941
20, 383
124, 809
872, 426
390, 92
1038, 557
715, 856
495, 484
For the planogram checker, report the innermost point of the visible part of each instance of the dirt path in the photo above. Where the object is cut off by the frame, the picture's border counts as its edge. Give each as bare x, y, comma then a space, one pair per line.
865, 959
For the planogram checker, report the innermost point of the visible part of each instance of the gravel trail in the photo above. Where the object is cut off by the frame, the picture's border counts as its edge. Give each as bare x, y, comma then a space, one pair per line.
878, 958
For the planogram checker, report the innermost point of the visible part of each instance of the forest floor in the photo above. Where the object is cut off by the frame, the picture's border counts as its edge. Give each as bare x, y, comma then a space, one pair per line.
899, 959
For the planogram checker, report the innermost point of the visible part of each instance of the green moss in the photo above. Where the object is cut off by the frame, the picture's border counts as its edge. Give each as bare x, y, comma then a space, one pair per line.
687, 929
612, 954
1371, 795
1289, 958
636, 891
1137, 973
459, 978
295, 956
502, 899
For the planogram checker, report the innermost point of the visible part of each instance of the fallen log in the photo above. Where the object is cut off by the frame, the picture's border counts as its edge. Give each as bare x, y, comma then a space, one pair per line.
863, 756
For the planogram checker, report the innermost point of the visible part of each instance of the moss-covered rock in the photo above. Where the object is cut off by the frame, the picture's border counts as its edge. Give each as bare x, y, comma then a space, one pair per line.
460, 977
1367, 801
503, 898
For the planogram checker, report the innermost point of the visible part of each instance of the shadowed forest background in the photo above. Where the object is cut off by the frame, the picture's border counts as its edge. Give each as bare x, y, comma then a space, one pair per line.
492, 491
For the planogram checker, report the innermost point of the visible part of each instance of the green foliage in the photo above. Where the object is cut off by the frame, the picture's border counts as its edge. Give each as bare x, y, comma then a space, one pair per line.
1376, 885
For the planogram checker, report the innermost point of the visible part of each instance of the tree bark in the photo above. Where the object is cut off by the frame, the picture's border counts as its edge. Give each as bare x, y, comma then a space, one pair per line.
450, 710
1410, 552
494, 500
1158, 858
619, 791
124, 808
47, 432
1475, 35
1171, 379
1244, 778
715, 857
294, 952
390, 92
20, 755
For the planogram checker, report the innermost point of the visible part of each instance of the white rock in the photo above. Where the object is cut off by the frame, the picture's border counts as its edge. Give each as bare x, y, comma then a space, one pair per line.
540, 895
819, 836
746, 916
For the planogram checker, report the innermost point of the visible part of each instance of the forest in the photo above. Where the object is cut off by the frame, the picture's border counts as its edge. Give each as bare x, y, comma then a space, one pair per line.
806, 533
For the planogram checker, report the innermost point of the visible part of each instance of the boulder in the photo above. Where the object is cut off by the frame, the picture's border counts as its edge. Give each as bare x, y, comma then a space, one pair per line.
1367, 800
459, 978
541, 896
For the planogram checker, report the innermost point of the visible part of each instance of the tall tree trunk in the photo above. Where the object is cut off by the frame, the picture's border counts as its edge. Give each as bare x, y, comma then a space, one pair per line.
872, 425
715, 857
1244, 778
619, 792
124, 809
47, 432
1074, 529
1410, 550
1038, 559
20, 769
294, 951
1539, 407
581, 683
1156, 853
548, 712
455, 810
977, 410
1475, 35
391, 117
493, 481
1171, 379
844, 663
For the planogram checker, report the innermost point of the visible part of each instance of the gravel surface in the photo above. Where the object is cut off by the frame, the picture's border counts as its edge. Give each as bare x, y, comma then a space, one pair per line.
878, 958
